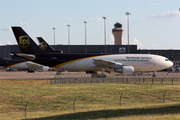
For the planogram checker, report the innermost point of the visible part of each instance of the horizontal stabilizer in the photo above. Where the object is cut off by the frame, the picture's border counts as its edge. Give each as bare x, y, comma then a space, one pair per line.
26, 56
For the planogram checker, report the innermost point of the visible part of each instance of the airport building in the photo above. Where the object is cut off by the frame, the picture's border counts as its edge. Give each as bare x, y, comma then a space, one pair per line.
112, 49
117, 48
118, 32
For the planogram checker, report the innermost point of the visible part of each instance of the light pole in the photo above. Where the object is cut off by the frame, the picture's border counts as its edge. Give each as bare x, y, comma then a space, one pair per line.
127, 13
54, 38
85, 38
68, 36
5, 53
105, 32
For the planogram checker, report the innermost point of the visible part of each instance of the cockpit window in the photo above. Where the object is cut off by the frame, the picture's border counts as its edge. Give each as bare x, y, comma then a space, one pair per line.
166, 60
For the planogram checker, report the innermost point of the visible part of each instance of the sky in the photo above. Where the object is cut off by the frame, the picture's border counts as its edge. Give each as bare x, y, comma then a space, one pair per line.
153, 24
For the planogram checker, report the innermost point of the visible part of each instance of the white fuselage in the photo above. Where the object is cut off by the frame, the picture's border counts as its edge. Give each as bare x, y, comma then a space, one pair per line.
28, 65
22, 65
140, 62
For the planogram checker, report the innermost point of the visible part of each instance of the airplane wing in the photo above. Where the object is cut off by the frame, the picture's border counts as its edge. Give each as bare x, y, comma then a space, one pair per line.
111, 65
106, 63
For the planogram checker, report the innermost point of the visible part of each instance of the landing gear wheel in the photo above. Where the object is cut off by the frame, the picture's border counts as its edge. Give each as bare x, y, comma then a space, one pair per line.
154, 75
98, 76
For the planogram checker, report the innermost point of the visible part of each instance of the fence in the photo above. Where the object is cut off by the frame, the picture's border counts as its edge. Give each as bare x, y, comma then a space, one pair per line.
146, 78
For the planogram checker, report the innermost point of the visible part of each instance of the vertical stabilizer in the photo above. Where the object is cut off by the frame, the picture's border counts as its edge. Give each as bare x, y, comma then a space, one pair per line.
44, 45
26, 44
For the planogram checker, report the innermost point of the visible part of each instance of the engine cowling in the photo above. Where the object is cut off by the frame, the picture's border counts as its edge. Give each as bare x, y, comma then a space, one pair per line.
125, 69
43, 68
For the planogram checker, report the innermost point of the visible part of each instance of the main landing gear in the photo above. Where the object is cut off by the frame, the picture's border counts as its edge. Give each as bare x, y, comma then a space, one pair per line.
95, 75
154, 74
30, 71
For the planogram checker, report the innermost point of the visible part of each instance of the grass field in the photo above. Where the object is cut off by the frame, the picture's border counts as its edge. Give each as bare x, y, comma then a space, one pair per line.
93, 101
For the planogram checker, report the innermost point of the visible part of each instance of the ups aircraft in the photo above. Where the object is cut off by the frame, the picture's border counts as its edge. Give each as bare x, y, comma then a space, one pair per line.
120, 63
45, 46
22, 64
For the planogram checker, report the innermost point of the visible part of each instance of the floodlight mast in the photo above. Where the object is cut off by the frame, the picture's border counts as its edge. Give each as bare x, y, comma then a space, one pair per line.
54, 37
68, 37
85, 38
105, 32
127, 13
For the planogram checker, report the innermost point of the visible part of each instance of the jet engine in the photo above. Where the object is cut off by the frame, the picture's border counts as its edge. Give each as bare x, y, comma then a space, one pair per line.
125, 69
43, 68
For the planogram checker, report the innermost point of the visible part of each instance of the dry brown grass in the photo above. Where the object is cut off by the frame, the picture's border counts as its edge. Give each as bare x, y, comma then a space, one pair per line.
55, 101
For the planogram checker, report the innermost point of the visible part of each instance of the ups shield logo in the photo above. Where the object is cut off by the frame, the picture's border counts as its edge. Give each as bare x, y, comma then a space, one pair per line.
43, 45
24, 41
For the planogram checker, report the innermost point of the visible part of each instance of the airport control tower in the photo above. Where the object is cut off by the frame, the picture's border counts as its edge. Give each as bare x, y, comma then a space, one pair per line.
118, 32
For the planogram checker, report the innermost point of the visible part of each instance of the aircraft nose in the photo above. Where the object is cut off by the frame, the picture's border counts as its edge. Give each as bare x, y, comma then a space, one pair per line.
170, 63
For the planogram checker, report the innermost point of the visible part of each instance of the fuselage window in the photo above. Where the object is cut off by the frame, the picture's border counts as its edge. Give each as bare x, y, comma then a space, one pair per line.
166, 60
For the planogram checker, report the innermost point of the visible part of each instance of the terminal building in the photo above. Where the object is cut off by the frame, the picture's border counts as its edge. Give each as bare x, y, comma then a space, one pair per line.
110, 49
117, 48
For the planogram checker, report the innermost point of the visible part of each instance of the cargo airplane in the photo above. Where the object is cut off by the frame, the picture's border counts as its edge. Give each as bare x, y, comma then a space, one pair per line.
120, 63
22, 64
45, 46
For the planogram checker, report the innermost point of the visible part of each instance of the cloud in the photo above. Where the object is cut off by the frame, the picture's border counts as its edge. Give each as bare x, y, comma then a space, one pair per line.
98, 19
154, 46
95, 19
132, 41
169, 14
111, 39
70, 19
7, 29
135, 41
8, 42
154, 4
124, 41
111, 23
21, 23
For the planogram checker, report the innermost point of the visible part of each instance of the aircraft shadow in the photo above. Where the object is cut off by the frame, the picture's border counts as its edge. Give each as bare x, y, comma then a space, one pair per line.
173, 109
